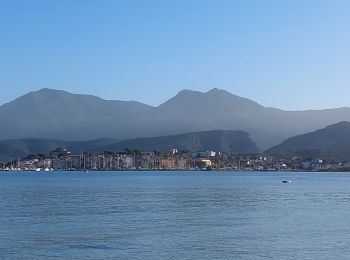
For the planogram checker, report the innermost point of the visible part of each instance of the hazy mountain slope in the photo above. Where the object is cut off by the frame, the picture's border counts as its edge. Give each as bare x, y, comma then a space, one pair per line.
217, 140
56, 114
216, 109
11, 149
331, 142
62, 115
219, 109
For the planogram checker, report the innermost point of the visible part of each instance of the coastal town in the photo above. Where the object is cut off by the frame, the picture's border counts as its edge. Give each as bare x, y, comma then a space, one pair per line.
62, 159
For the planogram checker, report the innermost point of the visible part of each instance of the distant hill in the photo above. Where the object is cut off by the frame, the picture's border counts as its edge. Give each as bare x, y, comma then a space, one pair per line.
217, 140
224, 141
55, 114
11, 149
330, 142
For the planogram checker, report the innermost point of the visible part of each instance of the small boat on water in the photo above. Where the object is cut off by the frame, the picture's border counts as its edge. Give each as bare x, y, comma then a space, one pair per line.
286, 181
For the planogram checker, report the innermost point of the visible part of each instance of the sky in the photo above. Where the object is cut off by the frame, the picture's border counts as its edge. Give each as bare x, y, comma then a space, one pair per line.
291, 54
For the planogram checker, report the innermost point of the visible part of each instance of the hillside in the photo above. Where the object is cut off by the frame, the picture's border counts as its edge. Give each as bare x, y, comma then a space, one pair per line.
330, 142
220, 141
11, 149
224, 141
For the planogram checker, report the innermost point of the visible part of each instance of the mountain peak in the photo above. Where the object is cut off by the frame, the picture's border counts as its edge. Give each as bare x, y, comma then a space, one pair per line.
212, 91
195, 100
48, 90
188, 92
217, 91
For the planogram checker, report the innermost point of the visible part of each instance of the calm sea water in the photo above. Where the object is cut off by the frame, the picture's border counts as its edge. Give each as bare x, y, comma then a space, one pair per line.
174, 216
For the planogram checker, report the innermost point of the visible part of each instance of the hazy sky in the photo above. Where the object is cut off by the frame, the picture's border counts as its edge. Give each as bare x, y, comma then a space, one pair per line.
288, 54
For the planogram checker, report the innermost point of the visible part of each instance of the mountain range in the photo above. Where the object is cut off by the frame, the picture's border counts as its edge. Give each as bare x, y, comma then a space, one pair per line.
56, 114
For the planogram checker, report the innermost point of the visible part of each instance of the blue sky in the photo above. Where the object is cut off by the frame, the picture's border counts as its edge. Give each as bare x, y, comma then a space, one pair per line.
286, 54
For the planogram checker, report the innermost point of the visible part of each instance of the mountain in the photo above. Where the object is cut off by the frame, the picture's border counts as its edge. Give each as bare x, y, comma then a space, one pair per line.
217, 140
191, 111
331, 142
216, 109
224, 141
55, 114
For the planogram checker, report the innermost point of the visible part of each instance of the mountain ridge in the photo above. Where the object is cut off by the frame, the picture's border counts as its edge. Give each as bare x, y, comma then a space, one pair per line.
330, 142
56, 114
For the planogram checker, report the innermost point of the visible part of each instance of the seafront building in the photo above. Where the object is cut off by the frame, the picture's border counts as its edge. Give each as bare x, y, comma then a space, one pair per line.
62, 159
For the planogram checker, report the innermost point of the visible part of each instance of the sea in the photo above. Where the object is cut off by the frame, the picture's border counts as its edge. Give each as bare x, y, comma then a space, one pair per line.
174, 215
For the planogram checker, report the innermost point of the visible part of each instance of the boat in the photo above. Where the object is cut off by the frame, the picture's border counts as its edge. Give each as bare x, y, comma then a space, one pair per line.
286, 181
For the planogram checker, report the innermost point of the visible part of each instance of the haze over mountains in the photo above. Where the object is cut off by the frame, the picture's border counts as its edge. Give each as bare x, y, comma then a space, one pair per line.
330, 142
217, 140
56, 114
